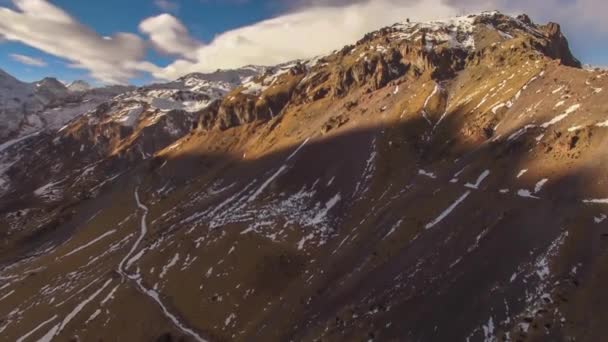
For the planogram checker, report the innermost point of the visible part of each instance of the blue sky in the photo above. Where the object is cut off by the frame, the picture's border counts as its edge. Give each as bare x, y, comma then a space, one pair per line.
204, 20
65, 38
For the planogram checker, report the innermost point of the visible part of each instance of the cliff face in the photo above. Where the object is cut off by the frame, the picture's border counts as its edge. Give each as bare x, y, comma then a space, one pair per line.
433, 181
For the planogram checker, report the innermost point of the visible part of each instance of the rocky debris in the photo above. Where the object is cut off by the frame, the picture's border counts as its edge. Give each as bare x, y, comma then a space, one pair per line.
333, 123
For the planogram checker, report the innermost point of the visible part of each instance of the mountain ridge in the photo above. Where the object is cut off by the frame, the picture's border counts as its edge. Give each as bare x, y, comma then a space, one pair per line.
78, 86
49, 93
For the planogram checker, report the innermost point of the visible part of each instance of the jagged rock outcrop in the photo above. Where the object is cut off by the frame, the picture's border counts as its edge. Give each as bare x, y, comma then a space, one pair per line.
558, 46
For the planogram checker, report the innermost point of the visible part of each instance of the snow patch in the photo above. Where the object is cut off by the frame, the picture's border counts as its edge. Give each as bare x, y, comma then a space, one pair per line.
596, 201
526, 194
480, 179
562, 116
447, 212
427, 174
521, 173
539, 186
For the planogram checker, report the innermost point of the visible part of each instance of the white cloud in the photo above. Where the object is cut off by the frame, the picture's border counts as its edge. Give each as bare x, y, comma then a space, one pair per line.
46, 27
308, 32
167, 5
169, 35
38, 62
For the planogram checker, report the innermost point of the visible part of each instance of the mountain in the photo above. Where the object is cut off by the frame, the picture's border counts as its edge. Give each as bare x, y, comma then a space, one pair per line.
50, 88
433, 181
48, 105
44, 105
13, 97
79, 86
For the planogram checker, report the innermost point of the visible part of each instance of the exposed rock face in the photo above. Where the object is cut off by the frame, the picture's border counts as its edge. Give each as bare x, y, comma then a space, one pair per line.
240, 108
432, 182
558, 47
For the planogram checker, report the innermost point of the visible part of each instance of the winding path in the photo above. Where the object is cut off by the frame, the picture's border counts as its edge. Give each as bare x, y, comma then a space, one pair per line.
142, 234
137, 280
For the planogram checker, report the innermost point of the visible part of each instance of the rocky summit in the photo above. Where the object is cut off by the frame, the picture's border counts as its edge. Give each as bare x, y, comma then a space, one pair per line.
437, 181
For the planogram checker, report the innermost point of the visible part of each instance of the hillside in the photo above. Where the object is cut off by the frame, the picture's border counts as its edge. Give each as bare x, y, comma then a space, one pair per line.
431, 182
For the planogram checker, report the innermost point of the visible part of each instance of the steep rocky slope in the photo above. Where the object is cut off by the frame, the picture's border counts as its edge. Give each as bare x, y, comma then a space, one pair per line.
434, 181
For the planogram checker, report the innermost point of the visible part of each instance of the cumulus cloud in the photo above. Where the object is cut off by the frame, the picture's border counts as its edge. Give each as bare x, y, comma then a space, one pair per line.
169, 35
167, 5
46, 27
305, 33
38, 62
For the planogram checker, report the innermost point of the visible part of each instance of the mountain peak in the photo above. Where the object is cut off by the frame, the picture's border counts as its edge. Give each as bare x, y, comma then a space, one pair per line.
6, 77
50, 82
481, 31
79, 86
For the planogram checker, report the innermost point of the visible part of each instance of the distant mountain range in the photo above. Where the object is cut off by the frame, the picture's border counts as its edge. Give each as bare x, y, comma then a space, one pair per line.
46, 104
